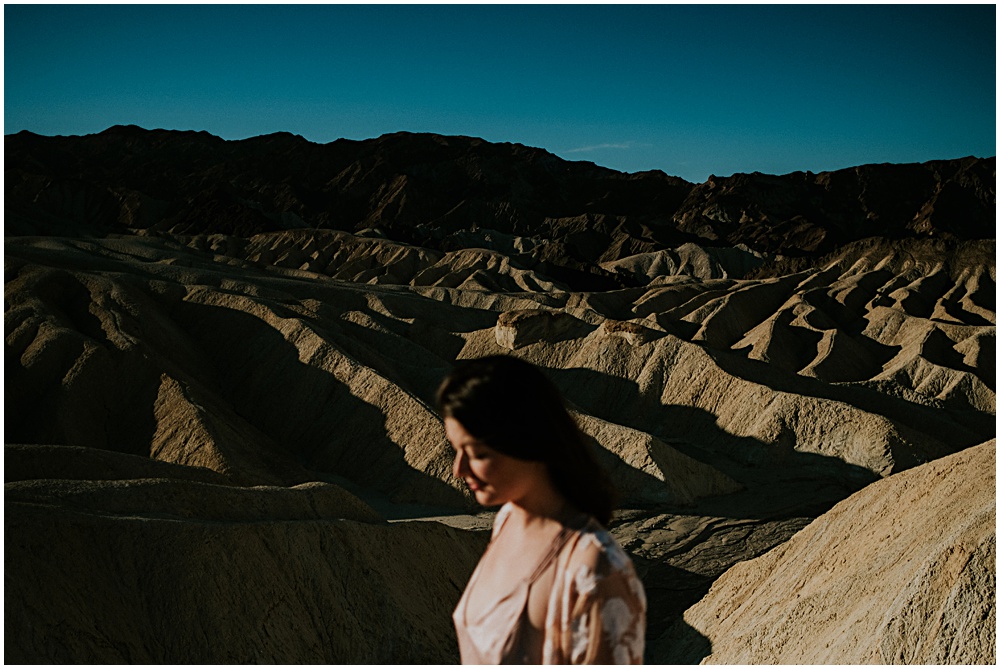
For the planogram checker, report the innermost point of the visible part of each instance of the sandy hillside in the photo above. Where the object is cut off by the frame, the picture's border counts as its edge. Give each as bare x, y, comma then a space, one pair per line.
932, 572
214, 379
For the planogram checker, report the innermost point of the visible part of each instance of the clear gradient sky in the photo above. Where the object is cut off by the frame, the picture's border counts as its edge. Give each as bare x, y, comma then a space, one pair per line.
691, 90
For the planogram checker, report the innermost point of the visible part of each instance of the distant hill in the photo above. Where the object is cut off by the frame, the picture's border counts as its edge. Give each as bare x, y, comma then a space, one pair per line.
432, 191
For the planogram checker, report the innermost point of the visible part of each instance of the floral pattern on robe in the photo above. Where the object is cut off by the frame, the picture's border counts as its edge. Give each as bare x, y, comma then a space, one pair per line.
596, 611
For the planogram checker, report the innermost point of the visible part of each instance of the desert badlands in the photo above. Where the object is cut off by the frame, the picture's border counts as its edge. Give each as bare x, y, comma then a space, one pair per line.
220, 360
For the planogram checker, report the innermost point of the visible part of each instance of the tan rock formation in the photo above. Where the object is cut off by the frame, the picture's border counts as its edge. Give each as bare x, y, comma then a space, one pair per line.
903, 572
688, 260
520, 328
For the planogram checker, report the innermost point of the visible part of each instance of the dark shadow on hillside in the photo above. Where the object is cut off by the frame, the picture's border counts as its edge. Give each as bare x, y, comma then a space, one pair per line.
669, 592
780, 481
25, 462
679, 644
73, 386
281, 419
415, 357
308, 413
951, 426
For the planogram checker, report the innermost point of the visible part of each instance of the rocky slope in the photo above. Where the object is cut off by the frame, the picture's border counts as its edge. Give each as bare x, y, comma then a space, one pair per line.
866, 584
221, 359
156, 570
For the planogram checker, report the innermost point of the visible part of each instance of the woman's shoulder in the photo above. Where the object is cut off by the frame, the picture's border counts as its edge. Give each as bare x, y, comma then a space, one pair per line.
596, 550
596, 571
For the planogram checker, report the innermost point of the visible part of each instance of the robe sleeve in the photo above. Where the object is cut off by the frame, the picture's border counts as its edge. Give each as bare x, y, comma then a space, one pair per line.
607, 609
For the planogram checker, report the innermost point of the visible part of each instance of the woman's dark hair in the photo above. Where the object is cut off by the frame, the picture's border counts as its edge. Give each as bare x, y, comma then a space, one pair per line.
511, 406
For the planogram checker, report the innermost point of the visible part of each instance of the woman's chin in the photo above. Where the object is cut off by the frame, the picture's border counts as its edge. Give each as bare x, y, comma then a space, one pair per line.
486, 498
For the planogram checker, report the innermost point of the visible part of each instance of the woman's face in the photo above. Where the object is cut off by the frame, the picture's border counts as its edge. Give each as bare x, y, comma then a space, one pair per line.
494, 478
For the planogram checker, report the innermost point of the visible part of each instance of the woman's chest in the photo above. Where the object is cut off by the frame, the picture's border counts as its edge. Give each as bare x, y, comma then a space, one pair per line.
516, 563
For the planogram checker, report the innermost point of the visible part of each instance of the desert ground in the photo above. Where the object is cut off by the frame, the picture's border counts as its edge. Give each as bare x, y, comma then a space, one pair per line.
221, 444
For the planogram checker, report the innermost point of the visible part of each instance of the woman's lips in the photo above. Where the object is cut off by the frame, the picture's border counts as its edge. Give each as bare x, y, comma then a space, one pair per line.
473, 485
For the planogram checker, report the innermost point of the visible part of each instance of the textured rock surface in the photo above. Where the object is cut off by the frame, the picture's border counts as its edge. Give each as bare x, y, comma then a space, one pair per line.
155, 571
903, 572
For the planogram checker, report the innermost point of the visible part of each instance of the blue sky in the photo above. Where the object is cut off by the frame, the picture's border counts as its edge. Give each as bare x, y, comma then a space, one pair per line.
691, 90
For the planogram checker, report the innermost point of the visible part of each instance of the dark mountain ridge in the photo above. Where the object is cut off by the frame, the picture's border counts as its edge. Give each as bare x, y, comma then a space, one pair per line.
422, 189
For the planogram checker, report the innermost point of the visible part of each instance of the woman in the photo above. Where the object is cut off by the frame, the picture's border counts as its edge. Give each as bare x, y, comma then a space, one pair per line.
553, 586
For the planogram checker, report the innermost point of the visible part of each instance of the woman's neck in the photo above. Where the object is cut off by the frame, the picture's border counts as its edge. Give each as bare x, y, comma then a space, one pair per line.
542, 505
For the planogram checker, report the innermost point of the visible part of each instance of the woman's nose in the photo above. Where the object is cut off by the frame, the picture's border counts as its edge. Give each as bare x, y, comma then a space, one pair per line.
458, 467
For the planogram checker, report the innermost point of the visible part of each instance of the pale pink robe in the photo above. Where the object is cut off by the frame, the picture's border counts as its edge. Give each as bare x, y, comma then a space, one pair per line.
596, 610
